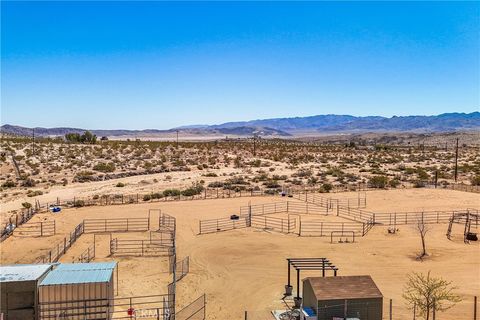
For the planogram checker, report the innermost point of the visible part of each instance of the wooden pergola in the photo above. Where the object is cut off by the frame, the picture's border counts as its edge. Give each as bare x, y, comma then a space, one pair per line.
299, 264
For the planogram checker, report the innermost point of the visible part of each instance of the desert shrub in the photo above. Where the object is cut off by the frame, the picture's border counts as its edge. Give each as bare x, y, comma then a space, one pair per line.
271, 184
210, 174
193, 190
171, 193
29, 182
326, 187
120, 185
303, 173
156, 195
419, 184
79, 203
216, 184
96, 197
378, 181
26, 205
475, 180
35, 193
9, 184
84, 176
104, 167
394, 183
147, 197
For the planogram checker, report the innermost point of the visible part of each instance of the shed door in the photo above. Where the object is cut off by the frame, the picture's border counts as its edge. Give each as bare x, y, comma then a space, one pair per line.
20, 305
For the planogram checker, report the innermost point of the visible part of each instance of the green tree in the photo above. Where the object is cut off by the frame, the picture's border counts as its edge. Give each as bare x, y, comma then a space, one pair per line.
426, 293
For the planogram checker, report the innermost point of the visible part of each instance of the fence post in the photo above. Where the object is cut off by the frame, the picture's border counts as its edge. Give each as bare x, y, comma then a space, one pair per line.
41, 229
64, 245
475, 308
390, 309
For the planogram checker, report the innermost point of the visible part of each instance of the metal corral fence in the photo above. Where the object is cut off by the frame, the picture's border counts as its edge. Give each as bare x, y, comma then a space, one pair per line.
281, 225
332, 203
194, 311
15, 221
402, 218
181, 267
256, 216
119, 199
357, 215
116, 225
158, 244
86, 256
317, 228
461, 187
61, 247
94, 226
148, 307
223, 224
36, 229
134, 247
281, 207
166, 222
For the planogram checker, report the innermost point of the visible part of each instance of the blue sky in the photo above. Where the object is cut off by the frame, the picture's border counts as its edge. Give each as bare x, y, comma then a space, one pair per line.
139, 65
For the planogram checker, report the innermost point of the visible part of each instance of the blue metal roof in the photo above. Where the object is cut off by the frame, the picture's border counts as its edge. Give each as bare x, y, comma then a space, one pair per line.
74, 273
23, 272
87, 266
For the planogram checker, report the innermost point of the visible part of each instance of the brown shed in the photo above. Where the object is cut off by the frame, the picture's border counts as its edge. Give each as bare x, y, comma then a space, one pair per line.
356, 297
18, 289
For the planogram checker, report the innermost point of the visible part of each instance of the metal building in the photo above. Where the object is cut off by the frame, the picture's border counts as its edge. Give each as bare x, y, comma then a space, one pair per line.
18, 289
77, 291
352, 297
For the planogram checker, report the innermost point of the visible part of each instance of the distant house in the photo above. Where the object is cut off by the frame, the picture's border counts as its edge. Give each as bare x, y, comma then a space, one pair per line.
352, 297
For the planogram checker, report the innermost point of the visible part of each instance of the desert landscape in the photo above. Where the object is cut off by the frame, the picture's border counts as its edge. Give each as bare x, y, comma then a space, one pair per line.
245, 269
240, 160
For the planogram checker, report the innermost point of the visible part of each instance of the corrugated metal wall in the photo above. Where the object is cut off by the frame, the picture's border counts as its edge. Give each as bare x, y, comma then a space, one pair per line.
76, 301
370, 309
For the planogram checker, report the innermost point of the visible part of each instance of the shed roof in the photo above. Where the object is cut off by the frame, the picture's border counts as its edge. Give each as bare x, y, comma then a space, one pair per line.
74, 273
23, 272
344, 287
87, 266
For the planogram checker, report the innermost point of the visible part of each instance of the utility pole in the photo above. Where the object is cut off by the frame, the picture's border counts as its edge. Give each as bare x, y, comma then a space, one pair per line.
177, 139
456, 161
254, 146
33, 141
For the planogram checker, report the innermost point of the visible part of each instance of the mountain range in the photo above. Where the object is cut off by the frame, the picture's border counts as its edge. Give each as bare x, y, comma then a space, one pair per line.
285, 127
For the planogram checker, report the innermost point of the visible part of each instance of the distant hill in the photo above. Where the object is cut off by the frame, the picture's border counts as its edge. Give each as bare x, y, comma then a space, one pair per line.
191, 130
344, 123
284, 127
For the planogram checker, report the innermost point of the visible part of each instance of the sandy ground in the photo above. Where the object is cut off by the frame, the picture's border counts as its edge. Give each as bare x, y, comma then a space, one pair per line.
246, 269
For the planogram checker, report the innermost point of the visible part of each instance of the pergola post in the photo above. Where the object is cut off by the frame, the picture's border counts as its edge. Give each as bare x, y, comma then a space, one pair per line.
298, 283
